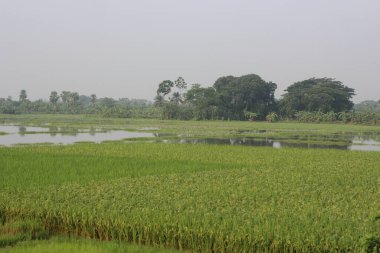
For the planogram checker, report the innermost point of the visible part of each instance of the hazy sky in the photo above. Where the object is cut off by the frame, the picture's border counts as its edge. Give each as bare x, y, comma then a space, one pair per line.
124, 48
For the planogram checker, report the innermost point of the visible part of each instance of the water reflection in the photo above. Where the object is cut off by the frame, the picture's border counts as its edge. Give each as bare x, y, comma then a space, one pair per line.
68, 135
371, 145
64, 135
22, 130
53, 130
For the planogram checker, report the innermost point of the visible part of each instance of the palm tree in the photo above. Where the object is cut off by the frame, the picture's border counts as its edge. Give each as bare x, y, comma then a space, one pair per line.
54, 97
93, 98
23, 96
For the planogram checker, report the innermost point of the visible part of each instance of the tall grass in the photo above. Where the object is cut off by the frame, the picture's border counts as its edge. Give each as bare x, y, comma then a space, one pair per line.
74, 245
197, 197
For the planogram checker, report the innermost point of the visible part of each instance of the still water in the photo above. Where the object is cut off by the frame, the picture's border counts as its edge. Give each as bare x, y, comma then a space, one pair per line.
55, 135
30, 135
276, 143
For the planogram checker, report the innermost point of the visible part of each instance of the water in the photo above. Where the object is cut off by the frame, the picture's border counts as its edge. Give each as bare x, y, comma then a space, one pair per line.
68, 135
368, 145
55, 135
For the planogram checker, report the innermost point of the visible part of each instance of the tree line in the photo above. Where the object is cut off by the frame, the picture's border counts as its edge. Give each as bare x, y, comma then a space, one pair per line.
68, 102
247, 97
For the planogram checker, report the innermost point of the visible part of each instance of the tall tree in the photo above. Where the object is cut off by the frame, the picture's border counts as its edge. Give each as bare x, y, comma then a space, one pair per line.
53, 98
23, 96
237, 95
316, 94
164, 88
73, 98
203, 101
159, 100
65, 96
176, 98
93, 98
181, 85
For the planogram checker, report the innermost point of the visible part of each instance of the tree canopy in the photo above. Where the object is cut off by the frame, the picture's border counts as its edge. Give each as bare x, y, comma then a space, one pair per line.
237, 95
316, 94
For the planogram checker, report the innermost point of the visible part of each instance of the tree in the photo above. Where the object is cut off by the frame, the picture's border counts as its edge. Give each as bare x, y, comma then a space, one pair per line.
23, 96
368, 106
176, 98
65, 96
108, 102
272, 117
159, 100
164, 88
180, 83
203, 101
53, 98
317, 94
93, 98
177, 95
245, 93
73, 98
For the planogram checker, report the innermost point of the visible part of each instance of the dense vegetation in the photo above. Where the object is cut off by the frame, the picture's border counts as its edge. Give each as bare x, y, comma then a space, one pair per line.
248, 97
77, 245
368, 106
312, 95
73, 103
199, 197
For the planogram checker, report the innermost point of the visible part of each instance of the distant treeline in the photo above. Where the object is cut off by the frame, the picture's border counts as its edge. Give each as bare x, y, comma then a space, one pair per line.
72, 103
247, 97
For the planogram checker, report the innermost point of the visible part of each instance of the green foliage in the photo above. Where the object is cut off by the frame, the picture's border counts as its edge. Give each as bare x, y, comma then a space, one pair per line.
227, 99
203, 101
54, 97
251, 116
345, 117
272, 117
76, 245
164, 87
23, 96
93, 98
316, 94
14, 231
368, 106
244, 93
180, 83
72, 103
197, 197
325, 100
172, 109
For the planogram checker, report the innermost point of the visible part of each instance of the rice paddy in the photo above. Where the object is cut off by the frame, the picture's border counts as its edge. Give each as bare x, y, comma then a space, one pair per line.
200, 198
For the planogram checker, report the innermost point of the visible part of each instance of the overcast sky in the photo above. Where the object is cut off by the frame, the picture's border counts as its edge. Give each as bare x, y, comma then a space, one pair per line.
124, 48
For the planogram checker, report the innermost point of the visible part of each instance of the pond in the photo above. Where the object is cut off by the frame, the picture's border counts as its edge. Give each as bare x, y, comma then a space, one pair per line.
29, 135
67, 135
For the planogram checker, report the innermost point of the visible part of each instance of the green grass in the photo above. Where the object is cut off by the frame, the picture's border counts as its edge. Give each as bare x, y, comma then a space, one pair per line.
198, 197
59, 244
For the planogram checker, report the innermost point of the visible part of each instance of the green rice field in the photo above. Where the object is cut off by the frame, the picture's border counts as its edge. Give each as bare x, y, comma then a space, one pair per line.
165, 197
